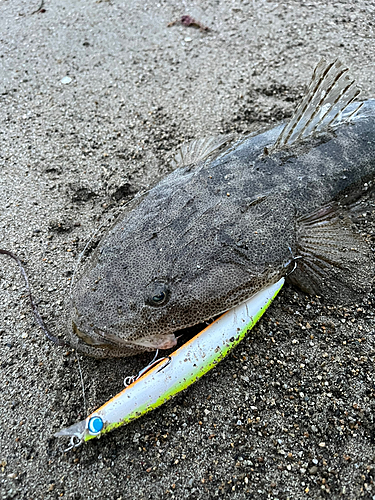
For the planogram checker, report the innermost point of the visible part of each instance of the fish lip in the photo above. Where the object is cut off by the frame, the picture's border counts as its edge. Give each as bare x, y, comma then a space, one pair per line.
89, 340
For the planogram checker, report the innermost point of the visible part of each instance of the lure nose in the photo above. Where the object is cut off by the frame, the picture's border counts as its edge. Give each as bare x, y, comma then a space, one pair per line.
77, 430
93, 424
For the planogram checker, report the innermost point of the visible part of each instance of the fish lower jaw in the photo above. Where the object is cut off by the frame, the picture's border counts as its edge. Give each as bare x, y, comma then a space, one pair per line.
89, 339
101, 351
97, 345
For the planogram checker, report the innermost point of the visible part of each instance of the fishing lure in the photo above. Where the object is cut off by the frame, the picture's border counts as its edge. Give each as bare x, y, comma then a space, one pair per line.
166, 377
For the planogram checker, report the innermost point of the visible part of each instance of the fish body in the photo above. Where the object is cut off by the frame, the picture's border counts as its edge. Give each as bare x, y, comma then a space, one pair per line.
231, 220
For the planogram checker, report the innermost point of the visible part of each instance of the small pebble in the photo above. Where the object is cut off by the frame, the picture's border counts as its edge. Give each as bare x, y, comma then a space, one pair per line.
66, 80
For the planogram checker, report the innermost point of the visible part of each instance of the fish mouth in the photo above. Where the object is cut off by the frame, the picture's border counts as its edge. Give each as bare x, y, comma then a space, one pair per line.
89, 340
97, 343
94, 342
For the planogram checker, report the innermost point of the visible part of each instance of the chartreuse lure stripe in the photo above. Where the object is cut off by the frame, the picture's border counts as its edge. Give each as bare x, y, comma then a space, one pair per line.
168, 376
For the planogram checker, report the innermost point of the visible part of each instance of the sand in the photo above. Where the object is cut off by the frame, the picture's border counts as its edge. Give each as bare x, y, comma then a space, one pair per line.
95, 96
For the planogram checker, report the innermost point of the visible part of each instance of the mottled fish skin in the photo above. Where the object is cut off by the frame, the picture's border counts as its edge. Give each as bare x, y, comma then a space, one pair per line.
211, 234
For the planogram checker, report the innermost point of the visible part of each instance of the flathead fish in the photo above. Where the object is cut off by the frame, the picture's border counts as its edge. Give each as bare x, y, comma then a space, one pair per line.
233, 218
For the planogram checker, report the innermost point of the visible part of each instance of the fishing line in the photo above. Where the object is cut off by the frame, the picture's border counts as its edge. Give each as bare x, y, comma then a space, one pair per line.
40, 321
34, 307
82, 384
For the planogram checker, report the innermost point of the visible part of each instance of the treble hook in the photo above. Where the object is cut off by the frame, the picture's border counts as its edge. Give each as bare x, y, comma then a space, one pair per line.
74, 442
132, 378
164, 366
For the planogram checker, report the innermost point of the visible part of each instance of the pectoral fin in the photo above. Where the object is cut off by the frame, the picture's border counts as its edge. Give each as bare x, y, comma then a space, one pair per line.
334, 260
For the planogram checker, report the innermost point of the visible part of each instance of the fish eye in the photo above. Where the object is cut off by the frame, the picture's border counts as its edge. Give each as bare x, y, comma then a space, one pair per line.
160, 298
159, 294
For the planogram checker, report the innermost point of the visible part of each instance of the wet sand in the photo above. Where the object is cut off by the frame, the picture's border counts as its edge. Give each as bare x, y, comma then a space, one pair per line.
95, 96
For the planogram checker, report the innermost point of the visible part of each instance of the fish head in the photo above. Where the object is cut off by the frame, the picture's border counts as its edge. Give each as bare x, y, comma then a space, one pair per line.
118, 303
169, 265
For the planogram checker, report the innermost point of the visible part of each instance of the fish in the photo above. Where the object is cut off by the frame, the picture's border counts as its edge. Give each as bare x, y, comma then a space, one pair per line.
232, 218
164, 378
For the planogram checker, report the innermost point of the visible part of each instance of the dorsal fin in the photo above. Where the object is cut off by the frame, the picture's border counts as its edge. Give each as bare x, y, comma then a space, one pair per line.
193, 152
331, 90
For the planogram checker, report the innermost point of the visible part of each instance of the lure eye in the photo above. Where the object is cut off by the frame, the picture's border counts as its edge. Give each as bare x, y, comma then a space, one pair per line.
159, 295
95, 425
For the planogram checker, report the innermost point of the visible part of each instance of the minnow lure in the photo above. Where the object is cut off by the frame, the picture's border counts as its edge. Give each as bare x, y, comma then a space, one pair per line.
168, 376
